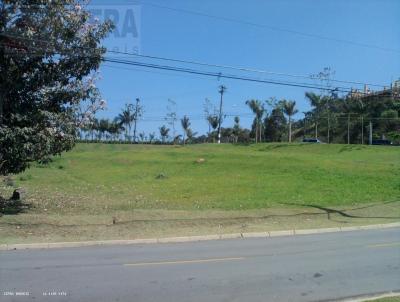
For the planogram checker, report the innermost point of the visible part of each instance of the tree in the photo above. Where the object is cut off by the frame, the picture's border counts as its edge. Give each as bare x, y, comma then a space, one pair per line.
115, 128
318, 102
103, 128
164, 133
95, 126
190, 135
152, 136
210, 112
126, 117
185, 126
213, 121
142, 137
289, 108
137, 114
258, 109
236, 128
171, 117
49, 55
275, 125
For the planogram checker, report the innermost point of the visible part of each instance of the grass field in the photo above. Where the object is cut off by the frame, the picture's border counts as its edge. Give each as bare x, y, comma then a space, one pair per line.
136, 183
390, 299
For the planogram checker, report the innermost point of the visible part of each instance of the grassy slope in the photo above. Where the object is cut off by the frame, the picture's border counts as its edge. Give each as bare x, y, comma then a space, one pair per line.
76, 196
232, 177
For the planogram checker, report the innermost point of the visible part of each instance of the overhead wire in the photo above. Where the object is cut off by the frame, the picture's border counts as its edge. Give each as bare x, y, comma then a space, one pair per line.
245, 69
273, 28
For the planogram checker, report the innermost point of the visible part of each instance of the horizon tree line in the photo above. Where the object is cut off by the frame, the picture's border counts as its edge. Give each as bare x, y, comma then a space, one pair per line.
332, 118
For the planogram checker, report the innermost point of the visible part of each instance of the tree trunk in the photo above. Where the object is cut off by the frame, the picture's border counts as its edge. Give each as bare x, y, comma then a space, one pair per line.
290, 130
329, 129
256, 131
134, 132
348, 129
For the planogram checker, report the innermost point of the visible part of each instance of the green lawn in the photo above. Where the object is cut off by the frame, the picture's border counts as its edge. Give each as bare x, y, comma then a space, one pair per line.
391, 299
232, 177
96, 181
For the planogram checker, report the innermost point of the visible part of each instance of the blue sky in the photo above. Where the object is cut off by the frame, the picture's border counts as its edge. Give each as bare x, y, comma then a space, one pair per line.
176, 34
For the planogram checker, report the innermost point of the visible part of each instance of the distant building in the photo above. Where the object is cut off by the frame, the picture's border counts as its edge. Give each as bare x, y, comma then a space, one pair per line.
392, 91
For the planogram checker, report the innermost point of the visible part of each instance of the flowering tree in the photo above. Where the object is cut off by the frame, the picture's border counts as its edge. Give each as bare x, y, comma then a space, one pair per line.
49, 54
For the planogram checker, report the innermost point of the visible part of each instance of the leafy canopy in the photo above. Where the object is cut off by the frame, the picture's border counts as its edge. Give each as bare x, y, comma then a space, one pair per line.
49, 54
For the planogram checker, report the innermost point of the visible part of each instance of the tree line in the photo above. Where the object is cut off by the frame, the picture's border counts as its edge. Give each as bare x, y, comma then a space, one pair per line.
332, 119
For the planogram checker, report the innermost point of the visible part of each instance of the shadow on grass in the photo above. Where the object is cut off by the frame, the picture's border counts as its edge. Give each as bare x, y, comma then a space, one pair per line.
344, 213
274, 146
349, 148
229, 220
12, 207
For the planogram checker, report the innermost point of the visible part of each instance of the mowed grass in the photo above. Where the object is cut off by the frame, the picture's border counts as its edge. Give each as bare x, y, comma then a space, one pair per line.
100, 177
100, 191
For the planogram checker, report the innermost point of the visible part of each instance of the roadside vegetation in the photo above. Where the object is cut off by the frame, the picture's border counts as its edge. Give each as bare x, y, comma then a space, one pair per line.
389, 299
129, 191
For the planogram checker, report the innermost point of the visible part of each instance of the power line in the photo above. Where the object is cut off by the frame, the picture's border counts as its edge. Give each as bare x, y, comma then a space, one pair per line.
246, 69
270, 27
220, 75
227, 76
274, 28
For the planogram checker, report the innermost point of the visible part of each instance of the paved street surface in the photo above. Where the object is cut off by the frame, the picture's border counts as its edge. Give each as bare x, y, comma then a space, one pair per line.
296, 268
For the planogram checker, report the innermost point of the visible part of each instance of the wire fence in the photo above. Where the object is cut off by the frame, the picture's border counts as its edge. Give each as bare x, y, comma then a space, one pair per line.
335, 129
351, 129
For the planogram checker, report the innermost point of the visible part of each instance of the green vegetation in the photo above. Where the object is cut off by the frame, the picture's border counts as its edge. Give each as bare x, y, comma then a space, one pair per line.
230, 177
96, 182
47, 91
389, 299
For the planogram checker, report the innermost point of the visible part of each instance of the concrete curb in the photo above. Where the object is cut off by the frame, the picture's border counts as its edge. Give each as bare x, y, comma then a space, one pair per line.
294, 232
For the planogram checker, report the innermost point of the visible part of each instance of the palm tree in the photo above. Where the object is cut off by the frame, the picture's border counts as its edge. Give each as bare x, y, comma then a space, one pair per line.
163, 133
190, 134
116, 128
152, 136
142, 137
213, 122
318, 102
126, 117
258, 109
104, 126
290, 110
236, 128
186, 126
94, 126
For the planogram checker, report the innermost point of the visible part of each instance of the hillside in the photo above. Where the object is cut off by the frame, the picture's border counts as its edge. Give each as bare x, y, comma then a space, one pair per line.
129, 191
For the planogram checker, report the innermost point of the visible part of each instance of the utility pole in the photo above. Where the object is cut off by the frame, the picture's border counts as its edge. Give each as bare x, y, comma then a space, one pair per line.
136, 116
222, 90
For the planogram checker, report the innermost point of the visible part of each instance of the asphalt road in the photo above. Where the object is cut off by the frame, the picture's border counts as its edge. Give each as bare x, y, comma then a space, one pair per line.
296, 268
